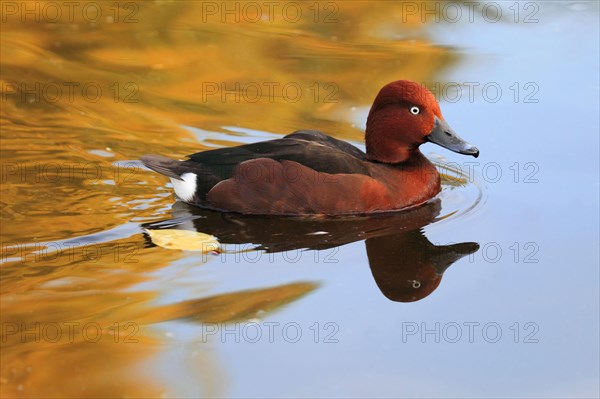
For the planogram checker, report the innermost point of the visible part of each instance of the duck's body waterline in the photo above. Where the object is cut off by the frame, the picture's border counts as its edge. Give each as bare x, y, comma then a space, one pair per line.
310, 173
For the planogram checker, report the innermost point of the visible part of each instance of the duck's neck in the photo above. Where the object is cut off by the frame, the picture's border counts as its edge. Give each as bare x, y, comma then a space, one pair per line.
416, 159
411, 182
384, 144
392, 152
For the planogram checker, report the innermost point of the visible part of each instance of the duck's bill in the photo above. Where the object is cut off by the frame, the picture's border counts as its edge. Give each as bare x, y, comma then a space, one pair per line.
443, 135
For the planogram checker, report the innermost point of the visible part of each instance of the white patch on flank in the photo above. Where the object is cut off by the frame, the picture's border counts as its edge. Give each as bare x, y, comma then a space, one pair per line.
186, 188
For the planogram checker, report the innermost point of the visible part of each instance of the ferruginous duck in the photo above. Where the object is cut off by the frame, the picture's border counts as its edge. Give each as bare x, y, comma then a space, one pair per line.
310, 173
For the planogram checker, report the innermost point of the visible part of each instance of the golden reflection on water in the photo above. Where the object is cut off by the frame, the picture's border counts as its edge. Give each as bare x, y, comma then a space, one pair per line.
81, 99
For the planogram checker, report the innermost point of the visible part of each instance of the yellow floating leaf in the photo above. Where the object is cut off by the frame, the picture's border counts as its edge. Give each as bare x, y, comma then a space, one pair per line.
183, 239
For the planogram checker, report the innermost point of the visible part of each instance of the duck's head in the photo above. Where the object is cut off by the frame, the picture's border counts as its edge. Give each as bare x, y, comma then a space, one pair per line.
405, 115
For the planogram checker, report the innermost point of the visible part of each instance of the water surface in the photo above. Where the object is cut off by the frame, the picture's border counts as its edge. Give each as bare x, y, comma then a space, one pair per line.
490, 290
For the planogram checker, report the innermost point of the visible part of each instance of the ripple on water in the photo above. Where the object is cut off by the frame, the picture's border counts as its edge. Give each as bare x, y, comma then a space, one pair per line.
462, 194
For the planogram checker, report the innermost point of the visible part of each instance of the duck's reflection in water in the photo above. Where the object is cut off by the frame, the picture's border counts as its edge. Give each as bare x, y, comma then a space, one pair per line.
406, 266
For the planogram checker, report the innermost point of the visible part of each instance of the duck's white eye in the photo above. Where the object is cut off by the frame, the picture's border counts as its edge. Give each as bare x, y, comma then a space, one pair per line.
415, 110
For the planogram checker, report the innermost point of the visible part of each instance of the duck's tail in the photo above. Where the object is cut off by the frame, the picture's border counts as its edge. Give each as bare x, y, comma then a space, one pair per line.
163, 165
184, 180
